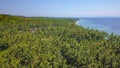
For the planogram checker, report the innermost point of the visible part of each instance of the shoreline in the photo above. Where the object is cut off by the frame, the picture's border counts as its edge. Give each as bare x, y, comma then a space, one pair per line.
97, 26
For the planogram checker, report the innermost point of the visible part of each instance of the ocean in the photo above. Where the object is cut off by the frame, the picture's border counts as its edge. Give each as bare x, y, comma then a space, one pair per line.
110, 25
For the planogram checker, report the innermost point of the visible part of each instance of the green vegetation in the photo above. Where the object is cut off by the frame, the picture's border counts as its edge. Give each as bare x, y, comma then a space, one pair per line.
40, 42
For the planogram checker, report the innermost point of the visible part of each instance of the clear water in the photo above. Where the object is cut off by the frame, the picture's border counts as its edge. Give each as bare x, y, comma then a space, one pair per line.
110, 25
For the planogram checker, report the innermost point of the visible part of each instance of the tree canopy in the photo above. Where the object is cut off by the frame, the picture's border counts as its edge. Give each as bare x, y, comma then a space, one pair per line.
43, 42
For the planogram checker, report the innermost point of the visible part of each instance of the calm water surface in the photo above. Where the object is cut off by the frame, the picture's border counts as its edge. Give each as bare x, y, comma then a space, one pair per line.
110, 25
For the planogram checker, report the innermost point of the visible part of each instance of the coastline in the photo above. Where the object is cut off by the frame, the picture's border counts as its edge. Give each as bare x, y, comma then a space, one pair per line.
96, 25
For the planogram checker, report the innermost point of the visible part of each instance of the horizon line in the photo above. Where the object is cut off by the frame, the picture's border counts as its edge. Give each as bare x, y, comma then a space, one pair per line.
62, 16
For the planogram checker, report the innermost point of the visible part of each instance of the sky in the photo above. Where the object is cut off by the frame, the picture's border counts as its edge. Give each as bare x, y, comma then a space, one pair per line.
61, 8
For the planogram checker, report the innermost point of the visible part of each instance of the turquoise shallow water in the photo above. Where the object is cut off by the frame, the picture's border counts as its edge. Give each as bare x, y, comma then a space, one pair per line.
110, 25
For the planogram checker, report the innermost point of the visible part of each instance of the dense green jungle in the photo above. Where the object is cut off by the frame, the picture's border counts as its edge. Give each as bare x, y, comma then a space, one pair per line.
47, 42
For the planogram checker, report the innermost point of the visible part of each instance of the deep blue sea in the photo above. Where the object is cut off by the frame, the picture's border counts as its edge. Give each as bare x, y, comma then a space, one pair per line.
110, 25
